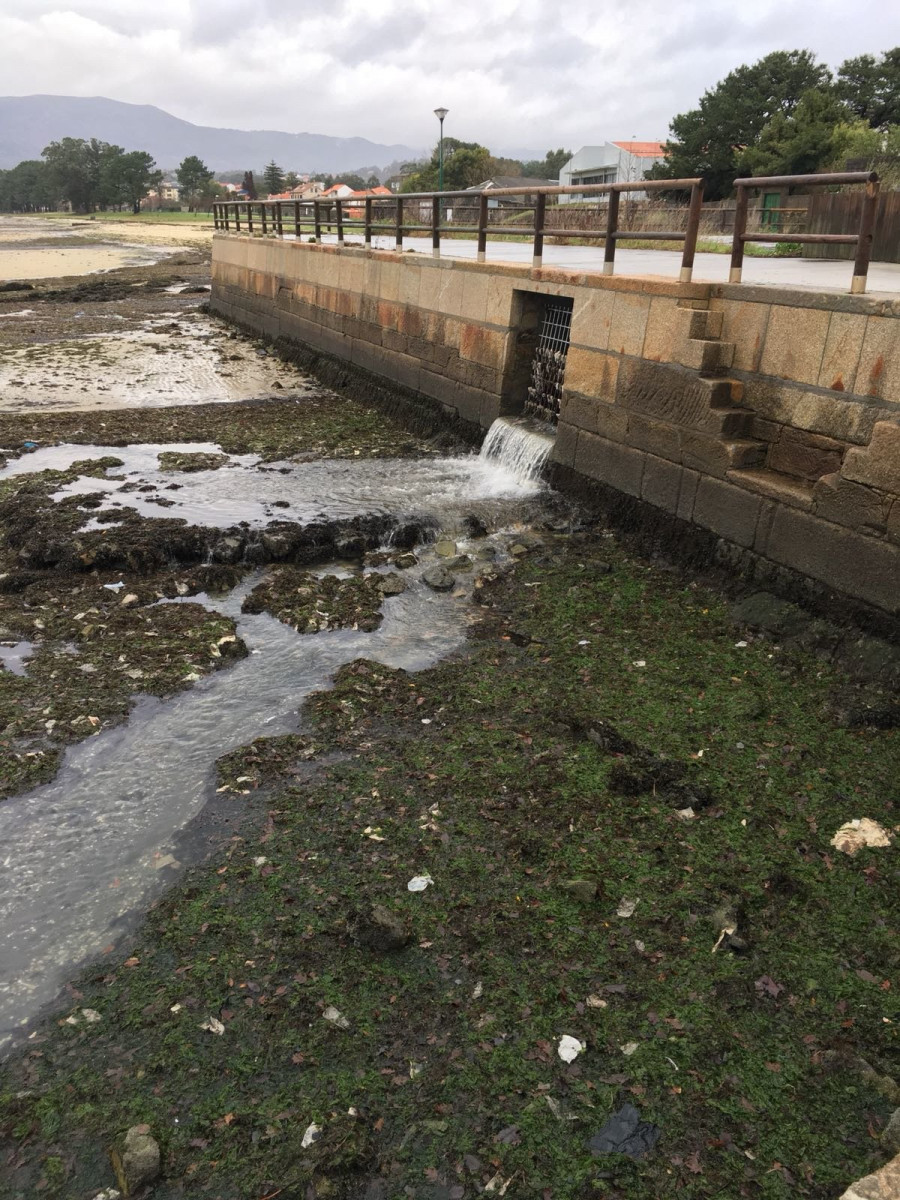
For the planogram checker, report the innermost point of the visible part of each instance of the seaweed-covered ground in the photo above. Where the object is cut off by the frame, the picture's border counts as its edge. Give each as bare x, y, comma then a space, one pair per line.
619, 808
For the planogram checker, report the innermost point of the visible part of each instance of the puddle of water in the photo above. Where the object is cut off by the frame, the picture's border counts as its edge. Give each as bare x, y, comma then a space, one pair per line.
167, 360
245, 491
14, 656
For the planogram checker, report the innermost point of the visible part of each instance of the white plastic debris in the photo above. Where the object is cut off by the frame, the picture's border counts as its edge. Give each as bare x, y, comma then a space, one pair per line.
91, 1015
596, 1002
686, 814
214, 1025
629, 1048
260, 861
477, 991
569, 1048
740, 645
114, 587
626, 907
419, 883
639, 662
854, 835
311, 1135
336, 1017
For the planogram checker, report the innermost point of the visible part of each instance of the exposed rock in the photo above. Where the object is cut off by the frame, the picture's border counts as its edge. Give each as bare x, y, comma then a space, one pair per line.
138, 1163
378, 928
405, 561
880, 1185
584, 890
445, 548
438, 578
461, 562
388, 585
890, 1139
174, 460
474, 526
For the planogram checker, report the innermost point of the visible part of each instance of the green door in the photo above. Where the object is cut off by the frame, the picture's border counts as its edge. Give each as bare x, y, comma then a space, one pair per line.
770, 218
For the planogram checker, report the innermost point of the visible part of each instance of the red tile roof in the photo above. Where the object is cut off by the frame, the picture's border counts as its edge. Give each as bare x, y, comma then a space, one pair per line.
643, 149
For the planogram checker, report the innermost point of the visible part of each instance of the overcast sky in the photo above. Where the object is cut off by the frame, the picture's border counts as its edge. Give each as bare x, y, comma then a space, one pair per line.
517, 76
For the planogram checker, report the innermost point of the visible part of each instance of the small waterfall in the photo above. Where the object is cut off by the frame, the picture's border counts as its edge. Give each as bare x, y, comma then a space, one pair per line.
521, 446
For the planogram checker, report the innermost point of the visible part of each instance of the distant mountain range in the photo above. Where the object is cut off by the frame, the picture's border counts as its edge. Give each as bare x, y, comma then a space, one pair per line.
29, 123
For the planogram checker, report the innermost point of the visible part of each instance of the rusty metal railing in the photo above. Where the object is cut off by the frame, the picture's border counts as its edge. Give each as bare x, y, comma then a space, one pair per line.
862, 239
362, 215
342, 216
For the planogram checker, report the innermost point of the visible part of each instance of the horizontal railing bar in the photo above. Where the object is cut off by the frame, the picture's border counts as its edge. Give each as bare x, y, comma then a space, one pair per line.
834, 239
649, 235
807, 180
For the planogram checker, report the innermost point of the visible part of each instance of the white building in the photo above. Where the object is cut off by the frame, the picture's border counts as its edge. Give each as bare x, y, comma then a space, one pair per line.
611, 162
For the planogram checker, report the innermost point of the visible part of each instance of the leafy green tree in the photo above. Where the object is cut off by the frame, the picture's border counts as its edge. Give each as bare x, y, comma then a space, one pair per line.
870, 87
712, 140
813, 136
291, 180
273, 177
27, 187
373, 182
248, 186
547, 167
76, 168
129, 177
465, 164
194, 177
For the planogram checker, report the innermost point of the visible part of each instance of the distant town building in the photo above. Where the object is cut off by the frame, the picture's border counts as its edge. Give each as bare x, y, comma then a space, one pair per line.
307, 189
508, 181
610, 162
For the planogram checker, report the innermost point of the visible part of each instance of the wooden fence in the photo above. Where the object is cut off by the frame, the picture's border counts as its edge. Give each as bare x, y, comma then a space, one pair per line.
839, 212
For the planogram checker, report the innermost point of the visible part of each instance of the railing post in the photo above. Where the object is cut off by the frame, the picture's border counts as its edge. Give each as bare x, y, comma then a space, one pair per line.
866, 233
279, 218
612, 225
399, 226
339, 219
482, 226
435, 227
264, 218
317, 220
237, 218
740, 228
297, 220
540, 210
367, 233
249, 218
215, 209
690, 234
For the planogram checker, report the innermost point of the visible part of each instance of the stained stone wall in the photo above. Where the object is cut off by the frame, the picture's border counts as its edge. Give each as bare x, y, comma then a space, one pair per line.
768, 417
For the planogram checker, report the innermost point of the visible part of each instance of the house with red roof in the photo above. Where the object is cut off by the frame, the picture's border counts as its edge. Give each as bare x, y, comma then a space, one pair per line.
610, 162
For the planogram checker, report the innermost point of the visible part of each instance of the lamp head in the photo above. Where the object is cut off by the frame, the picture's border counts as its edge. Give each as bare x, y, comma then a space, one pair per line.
440, 113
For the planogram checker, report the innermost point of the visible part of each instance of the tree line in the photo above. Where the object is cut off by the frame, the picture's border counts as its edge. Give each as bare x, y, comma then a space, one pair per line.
788, 114
91, 175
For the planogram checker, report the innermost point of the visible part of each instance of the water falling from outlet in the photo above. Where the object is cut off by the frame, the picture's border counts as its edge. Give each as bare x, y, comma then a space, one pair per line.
519, 445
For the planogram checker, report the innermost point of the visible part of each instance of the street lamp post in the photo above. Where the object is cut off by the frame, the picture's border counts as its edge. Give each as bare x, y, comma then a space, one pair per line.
440, 113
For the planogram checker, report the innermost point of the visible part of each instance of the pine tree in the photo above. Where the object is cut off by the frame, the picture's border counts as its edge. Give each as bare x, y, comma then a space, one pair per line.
273, 177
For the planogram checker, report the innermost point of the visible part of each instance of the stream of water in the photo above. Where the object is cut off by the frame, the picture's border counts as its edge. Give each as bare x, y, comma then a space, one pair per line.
80, 854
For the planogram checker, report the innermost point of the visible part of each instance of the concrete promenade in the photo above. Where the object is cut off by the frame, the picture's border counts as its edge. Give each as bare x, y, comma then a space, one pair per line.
809, 273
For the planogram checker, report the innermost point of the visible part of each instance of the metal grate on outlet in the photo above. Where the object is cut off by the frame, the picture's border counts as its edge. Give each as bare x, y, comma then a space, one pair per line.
549, 363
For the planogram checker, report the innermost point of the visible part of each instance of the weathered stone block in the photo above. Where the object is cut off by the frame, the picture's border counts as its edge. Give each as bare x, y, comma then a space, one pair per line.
795, 343
877, 464
596, 416
591, 373
665, 392
785, 489
657, 437
666, 329
864, 567
628, 323
843, 347
591, 318
833, 415
879, 361
482, 345
661, 483
609, 462
846, 503
565, 444
714, 456
728, 511
806, 455
706, 355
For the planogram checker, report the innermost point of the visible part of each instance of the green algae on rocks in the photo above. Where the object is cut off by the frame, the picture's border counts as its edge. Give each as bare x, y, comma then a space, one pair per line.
314, 603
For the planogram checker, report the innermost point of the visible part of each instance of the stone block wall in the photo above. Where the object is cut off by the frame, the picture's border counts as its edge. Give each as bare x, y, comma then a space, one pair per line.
768, 417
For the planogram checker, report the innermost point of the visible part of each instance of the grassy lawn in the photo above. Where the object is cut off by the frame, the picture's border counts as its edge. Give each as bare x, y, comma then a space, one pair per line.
152, 218
541, 781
